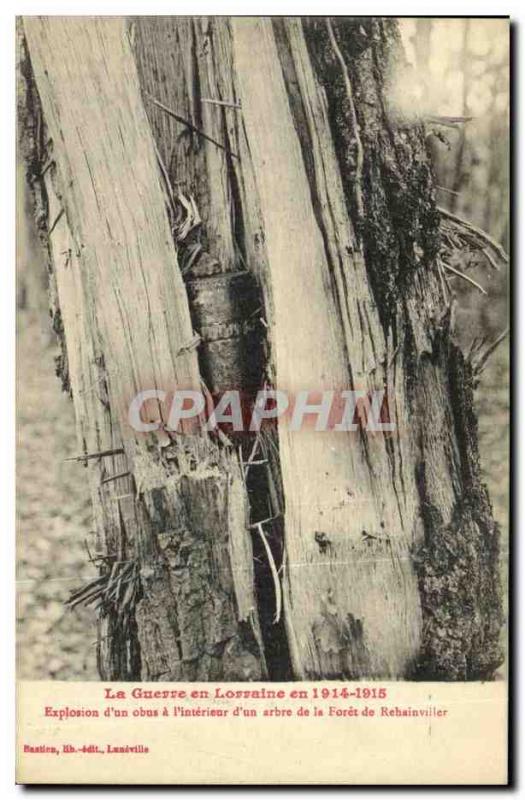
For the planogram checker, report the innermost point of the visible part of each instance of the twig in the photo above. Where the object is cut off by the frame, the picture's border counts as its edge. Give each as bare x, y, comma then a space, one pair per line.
449, 191
358, 193
475, 231
241, 462
55, 222
108, 588
188, 124
490, 259
443, 280
47, 167
448, 121
101, 453
189, 256
444, 123
221, 102
264, 521
479, 365
224, 440
475, 347
92, 386
193, 343
246, 465
165, 175
465, 277
115, 477
192, 219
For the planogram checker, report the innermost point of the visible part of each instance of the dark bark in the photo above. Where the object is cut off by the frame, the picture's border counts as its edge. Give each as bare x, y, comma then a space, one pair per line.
458, 562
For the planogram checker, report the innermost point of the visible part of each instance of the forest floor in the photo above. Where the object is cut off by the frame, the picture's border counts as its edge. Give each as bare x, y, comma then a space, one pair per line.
54, 514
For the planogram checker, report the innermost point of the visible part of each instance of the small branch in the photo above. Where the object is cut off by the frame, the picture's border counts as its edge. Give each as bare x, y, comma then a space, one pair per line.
55, 222
465, 277
189, 257
448, 122
273, 570
193, 343
444, 123
449, 191
358, 192
221, 102
475, 347
445, 289
100, 454
164, 171
490, 259
188, 124
480, 364
115, 477
264, 521
477, 232
47, 167
192, 219
246, 465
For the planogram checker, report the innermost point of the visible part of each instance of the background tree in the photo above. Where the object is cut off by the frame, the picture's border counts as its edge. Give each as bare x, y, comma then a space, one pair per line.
262, 165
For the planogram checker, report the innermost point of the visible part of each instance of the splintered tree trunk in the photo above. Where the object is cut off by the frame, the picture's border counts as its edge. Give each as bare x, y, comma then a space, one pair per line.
315, 268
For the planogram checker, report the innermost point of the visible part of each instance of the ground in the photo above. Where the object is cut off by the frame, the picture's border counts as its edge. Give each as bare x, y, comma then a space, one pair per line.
54, 516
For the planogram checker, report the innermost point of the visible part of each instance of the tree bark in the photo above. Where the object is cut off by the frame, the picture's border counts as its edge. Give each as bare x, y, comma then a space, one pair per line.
318, 218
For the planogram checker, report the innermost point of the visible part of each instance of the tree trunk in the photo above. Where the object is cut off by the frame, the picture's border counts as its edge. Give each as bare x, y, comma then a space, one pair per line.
173, 537
315, 268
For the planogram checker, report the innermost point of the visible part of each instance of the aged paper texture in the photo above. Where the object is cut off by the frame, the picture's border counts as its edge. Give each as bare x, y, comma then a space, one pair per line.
263, 399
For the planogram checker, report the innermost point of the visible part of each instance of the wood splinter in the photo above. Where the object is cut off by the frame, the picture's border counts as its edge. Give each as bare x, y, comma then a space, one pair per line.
115, 477
100, 454
465, 277
227, 103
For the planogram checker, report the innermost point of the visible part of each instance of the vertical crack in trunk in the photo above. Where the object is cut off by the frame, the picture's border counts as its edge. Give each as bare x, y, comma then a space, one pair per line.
227, 302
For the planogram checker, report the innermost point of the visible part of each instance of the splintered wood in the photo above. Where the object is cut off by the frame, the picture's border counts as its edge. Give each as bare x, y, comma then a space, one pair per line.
127, 325
353, 606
